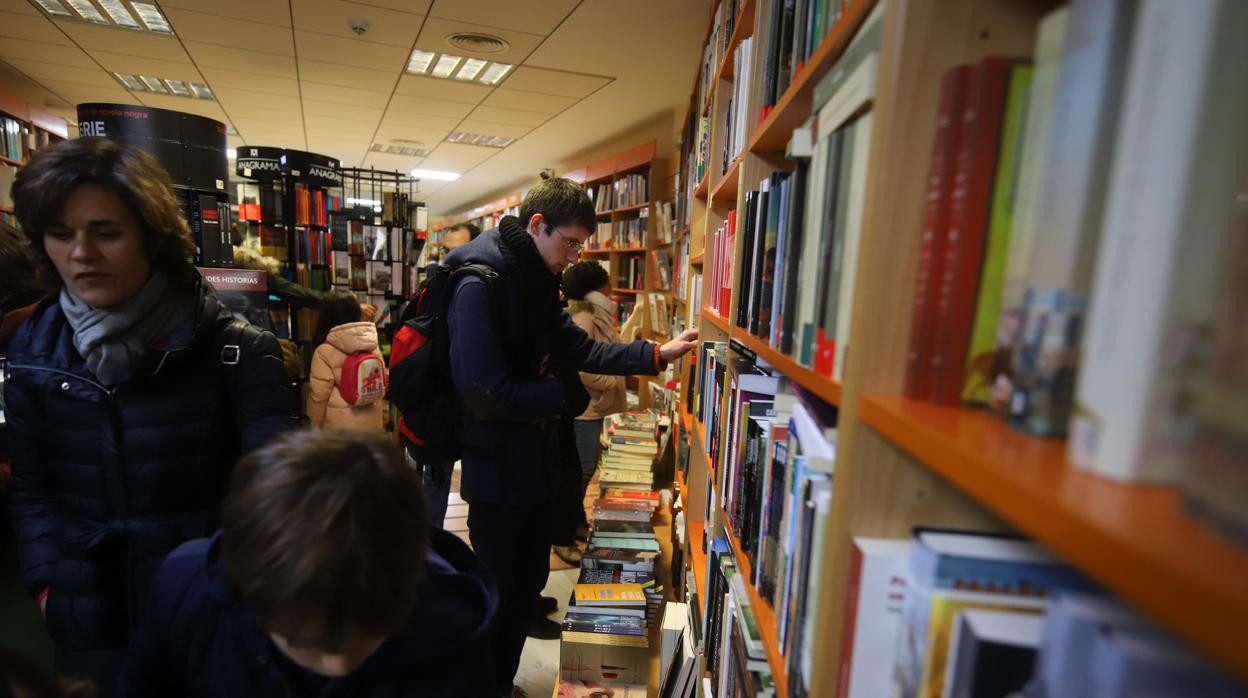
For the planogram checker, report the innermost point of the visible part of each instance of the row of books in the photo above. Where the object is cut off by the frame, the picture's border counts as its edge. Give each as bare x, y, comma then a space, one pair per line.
312, 206
789, 32
310, 246
631, 190
664, 223
631, 443
366, 275
801, 229
663, 268
1059, 281
628, 234
631, 273
739, 116
601, 196
723, 24
721, 248
952, 613
680, 269
12, 138
600, 239
735, 654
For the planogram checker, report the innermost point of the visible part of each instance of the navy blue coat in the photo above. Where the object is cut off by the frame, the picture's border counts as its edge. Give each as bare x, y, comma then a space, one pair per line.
107, 482
198, 640
510, 429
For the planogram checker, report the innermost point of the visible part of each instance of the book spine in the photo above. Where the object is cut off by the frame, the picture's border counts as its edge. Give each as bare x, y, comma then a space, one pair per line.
919, 378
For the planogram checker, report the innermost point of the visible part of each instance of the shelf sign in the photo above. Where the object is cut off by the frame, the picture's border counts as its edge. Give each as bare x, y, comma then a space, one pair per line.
190, 147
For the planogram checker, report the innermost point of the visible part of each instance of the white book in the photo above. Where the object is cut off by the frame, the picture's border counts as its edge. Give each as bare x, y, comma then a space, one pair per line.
1178, 166
853, 236
874, 611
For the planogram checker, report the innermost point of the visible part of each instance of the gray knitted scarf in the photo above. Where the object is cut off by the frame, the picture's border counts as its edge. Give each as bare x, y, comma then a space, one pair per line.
114, 340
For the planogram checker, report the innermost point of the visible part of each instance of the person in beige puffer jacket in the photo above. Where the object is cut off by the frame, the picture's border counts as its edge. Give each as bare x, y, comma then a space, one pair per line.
342, 334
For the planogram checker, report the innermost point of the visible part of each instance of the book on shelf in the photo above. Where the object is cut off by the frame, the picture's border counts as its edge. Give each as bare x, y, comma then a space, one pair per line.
594, 689
1006, 572
874, 605
992, 652
617, 558
608, 623
637, 544
1178, 164
622, 529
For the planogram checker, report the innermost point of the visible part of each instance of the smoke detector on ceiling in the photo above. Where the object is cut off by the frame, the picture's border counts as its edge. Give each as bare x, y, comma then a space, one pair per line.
474, 42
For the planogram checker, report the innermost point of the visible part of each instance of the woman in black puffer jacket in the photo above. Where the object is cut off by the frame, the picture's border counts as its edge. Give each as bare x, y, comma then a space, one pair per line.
129, 395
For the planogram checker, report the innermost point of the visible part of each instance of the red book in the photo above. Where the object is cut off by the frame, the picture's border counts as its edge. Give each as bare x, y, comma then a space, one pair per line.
729, 243
919, 378
970, 201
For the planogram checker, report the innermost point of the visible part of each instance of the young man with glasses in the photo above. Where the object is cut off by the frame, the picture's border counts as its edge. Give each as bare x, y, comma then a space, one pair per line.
514, 358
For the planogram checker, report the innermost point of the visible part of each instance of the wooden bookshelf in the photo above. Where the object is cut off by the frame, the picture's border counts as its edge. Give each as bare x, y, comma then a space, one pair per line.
10, 161
700, 192
1135, 540
827, 389
727, 188
697, 259
697, 533
766, 616
743, 30
632, 291
717, 321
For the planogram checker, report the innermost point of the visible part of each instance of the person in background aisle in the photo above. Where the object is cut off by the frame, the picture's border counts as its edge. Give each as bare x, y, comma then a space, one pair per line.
510, 367
128, 395
586, 285
437, 476
20, 291
326, 580
341, 335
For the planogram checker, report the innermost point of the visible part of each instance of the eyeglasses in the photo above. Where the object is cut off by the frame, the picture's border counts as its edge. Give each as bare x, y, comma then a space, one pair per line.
574, 246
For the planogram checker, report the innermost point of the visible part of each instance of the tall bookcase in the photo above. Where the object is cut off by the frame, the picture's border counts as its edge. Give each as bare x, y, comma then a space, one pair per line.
24, 128
900, 462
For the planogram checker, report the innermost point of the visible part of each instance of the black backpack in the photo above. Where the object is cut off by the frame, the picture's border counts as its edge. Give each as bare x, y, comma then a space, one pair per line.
420, 367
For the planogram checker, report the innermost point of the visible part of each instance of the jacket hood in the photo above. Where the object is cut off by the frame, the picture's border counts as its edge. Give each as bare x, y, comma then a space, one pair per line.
353, 337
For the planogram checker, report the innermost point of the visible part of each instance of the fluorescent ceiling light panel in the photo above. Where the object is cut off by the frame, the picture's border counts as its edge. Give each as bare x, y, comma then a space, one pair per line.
479, 139
87, 11
201, 91
178, 87
439, 175
154, 84
419, 62
446, 65
469, 70
54, 8
119, 14
495, 73
130, 81
152, 17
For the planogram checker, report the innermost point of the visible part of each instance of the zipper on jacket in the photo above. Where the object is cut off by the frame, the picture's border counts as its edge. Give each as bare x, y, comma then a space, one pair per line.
110, 393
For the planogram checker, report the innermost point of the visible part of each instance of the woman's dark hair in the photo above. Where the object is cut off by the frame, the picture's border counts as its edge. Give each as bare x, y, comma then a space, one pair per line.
19, 270
561, 202
42, 186
326, 526
337, 308
583, 277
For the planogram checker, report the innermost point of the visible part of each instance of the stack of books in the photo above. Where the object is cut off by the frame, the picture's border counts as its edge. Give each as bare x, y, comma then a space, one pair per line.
617, 598
632, 442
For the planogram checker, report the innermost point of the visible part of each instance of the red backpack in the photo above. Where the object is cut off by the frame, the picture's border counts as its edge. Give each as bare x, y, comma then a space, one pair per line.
362, 380
420, 367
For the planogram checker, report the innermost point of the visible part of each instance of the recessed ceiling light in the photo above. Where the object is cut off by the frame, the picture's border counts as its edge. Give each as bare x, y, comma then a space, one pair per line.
178, 87
154, 84
119, 14
419, 62
495, 73
54, 8
469, 70
399, 150
131, 82
446, 65
439, 175
479, 139
201, 91
87, 11
152, 17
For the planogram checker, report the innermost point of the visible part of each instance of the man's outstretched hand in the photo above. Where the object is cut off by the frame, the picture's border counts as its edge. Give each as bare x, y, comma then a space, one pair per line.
680, 346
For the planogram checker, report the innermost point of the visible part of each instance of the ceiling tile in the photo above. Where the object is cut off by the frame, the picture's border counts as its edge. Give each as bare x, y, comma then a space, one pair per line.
345, 95
274, 104
433, 38
182, 70
392, 163
33, 27
458, 152
347, 75
418, 7
77, 94
241, 60
403, 104
262, 11
186, 105
343, 111
223, 77
274, 139
227, 31
528, 101
410, 137
47, 53
131, 43
348, 127
332, 17
351, 51
553, 82
418, 121
21, 7
447, 90
64, 73
534, 16
486, 128
512, 117
244, 110
276, 121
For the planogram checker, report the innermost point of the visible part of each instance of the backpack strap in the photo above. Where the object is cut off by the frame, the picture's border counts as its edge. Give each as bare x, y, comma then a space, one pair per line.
231, 355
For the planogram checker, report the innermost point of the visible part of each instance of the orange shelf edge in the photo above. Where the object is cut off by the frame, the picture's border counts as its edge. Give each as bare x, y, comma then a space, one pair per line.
697, 532
11, 161
793, 107
827, 389
715, 320
697, 258
727, 187
766, 617
632, 291
700, 192
1136, 540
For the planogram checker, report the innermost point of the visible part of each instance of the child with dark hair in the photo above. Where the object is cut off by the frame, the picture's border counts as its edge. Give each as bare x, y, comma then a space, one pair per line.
324, 581
346, 385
